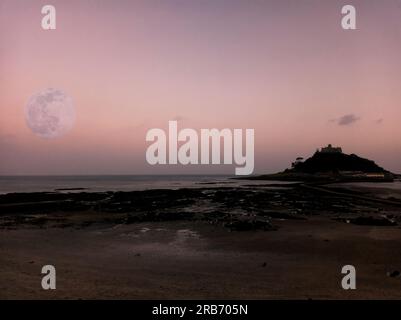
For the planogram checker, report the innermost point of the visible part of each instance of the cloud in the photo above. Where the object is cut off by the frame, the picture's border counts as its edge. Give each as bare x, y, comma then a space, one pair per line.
347, 120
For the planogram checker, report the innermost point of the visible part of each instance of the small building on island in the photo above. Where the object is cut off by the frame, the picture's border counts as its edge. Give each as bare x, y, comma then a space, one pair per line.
331, 149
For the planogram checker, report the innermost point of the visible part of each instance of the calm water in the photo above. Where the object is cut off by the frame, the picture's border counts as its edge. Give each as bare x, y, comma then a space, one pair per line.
396, 185
117, 183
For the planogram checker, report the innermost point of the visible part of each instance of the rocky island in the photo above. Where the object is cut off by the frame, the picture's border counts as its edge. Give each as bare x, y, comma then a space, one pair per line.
330, 164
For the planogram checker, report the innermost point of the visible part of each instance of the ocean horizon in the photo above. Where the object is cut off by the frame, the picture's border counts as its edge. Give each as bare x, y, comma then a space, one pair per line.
102, 183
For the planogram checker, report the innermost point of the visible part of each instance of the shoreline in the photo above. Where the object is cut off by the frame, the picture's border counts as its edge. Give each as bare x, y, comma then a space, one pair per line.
251, 207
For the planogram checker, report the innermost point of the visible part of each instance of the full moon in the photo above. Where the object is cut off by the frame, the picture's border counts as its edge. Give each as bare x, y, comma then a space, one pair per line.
50, 113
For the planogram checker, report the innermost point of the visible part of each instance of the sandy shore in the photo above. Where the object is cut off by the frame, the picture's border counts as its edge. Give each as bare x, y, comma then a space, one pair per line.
197, 259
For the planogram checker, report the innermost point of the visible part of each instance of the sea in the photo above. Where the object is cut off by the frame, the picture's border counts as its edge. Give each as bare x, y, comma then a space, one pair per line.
102, 183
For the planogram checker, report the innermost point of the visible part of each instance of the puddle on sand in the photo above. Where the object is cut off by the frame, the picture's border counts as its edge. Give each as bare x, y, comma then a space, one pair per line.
182, 236
141, 232
182, 242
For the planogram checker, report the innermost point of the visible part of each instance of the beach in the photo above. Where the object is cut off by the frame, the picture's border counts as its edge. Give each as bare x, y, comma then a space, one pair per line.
265, 242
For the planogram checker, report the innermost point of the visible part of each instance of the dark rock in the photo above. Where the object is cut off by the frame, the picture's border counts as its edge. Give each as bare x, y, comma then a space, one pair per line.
281, 215
393, 274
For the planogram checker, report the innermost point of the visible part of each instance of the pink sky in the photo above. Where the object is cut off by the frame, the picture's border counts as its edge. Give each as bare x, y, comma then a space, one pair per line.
283, 68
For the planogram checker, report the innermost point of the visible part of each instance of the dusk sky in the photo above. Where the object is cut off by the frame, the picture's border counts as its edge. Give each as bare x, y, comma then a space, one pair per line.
284, 68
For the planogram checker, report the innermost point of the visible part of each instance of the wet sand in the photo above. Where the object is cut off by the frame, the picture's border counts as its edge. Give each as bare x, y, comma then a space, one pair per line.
193, 260
201, 244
